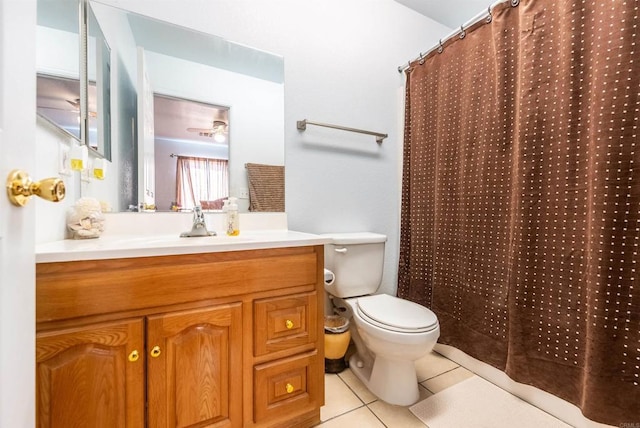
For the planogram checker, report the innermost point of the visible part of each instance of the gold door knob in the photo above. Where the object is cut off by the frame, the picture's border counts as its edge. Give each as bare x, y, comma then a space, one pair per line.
289, 388
20, 187
155, 351
289, 324
133, 356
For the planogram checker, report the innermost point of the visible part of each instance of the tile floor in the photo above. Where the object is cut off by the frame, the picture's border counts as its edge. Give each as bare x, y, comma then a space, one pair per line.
348, 403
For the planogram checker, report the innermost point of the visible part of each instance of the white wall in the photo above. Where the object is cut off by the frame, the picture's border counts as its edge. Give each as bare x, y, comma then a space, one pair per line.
50, 218
57, 52
340, 67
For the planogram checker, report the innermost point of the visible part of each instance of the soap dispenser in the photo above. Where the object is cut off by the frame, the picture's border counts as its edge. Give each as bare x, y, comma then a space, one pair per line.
233, 221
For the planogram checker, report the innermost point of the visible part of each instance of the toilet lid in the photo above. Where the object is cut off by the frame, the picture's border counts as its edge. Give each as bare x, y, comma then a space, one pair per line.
396, 314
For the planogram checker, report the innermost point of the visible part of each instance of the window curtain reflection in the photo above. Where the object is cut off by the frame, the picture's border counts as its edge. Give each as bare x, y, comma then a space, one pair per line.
201, 180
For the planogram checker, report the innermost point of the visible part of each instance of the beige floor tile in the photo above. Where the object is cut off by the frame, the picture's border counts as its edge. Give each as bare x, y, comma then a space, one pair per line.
398, 416
433, 364
357, 386
360, 418
445, 380
338, 398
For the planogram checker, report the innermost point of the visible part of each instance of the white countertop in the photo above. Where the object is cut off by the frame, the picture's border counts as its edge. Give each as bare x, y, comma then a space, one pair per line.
126, 246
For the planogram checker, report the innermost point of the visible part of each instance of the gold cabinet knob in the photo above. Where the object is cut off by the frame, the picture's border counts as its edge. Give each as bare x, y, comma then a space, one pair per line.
20, 187
155, 351
289, 388
289, 324
133, 356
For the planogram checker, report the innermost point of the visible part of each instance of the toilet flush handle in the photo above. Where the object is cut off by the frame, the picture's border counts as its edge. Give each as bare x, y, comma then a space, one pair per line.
340, 250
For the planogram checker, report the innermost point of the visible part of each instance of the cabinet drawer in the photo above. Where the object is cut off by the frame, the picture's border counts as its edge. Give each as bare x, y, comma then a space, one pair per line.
284, 322
287, 387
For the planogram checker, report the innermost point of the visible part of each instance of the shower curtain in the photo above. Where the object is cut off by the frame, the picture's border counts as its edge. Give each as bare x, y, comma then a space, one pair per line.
521, 196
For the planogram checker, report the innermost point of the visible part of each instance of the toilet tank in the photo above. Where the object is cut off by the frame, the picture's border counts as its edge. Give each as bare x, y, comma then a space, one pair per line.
356, 260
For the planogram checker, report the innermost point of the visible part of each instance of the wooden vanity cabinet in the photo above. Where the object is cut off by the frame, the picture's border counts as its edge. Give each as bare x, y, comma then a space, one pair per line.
229, 339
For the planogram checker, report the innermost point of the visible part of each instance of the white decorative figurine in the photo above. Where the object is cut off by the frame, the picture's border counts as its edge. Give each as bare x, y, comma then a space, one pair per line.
85, 219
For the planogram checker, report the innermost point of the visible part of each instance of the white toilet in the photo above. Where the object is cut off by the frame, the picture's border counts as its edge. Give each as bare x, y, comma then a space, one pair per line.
390, 333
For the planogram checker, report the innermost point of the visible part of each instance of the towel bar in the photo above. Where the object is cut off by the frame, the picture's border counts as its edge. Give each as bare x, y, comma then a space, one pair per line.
302, 125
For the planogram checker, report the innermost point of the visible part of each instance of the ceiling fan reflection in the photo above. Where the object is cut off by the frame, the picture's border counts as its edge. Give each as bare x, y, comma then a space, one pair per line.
218, 131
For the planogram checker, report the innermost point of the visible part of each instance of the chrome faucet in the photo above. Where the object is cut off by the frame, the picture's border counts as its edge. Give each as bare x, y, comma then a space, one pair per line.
199, 227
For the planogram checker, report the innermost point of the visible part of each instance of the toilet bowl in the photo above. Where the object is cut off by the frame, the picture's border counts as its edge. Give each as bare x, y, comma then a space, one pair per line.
390, 333
387, 348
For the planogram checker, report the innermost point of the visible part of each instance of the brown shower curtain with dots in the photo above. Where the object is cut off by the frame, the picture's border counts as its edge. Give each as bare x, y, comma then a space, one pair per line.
521, 198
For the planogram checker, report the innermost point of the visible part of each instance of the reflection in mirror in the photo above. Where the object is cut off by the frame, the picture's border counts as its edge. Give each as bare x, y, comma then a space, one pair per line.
181, 63
191, 154
58, 101
98, 64
57, 64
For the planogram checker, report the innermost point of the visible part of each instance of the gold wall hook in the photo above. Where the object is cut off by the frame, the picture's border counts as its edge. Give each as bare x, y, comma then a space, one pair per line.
20, 187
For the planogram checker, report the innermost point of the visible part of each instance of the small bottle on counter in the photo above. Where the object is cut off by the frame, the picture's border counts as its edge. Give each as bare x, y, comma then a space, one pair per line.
233, 221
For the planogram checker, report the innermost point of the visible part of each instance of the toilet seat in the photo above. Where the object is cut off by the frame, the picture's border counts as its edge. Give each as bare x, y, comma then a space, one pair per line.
395, 314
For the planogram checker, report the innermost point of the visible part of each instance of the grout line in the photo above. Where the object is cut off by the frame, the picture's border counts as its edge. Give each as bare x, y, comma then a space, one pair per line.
354, 392
376, 416
427, 388
342, 414
363, 404
362, 401
440, 374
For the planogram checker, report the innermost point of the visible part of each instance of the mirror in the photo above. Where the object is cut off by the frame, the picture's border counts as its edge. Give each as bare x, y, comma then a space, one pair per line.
191, 154
245, 84
97, 114
57, 65
60, 66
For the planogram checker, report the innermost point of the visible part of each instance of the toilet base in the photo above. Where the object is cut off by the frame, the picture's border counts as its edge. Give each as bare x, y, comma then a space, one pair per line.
393, 381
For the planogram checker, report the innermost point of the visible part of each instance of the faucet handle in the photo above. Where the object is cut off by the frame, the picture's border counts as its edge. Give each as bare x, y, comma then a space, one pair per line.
199, 227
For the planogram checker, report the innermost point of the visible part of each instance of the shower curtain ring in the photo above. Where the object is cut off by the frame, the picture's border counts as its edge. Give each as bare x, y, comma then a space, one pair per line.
440, 48
421, 59
514, 3
462, 32
489, 18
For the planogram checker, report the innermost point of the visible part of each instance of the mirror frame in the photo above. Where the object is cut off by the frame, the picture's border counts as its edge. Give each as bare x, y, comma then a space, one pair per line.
104, 119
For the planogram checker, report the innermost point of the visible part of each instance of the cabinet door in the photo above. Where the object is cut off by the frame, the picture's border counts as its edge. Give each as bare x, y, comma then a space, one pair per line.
194, 368
91, 376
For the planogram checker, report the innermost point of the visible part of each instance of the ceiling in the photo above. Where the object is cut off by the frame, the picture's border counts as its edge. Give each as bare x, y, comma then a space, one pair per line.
451, 13
173, 116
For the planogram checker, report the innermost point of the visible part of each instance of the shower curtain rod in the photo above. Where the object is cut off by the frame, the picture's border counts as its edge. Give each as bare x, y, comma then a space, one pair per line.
460, 31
